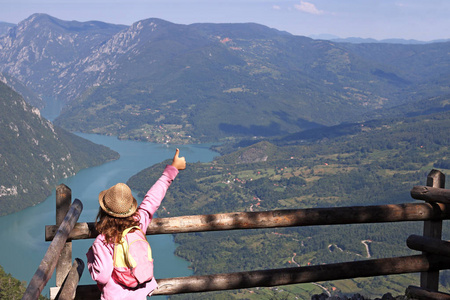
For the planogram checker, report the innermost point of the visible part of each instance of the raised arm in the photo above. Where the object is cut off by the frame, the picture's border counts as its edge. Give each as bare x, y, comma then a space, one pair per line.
156, 193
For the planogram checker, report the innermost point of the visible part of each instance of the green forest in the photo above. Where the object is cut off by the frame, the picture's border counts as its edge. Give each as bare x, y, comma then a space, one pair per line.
302, 123
35, 155
375, 163
12, 288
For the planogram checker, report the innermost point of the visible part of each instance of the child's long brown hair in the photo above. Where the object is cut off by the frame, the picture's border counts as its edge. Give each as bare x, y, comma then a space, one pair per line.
112, 227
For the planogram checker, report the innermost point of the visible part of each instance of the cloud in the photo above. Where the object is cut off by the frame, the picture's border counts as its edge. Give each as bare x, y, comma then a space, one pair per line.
403, 4
308, 7
276, 7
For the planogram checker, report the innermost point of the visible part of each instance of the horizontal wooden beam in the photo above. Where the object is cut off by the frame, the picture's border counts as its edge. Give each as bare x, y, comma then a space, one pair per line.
428, 244
430, 194
286, 276
280, 218
415, 292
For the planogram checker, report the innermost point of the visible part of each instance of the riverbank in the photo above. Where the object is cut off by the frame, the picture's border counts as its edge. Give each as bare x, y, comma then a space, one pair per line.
24, 231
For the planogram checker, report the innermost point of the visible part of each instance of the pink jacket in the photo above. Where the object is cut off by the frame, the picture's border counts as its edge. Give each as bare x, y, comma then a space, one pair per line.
100, 255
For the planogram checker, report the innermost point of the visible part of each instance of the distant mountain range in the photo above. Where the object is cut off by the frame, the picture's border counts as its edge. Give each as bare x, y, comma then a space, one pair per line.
4, 27
35, 155
166, 82
359, 40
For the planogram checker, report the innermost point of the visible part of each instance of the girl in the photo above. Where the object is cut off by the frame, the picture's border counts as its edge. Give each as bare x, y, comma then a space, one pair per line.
118, 211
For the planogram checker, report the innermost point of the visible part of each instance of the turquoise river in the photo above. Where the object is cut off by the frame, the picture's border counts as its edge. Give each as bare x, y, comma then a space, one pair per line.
22, 234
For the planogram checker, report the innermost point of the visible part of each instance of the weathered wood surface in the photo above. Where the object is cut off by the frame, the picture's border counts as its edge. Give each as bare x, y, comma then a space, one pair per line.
69, 286
414, 292
430, 194
276, 277
280, 218
432, 213
428, 245
433, 229
63, 202
48, 263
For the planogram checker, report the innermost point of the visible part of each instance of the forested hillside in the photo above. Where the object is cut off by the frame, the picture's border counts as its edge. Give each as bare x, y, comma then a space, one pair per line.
28, 95
12, 288
376, 162
172, 83
232, 80
35, 155
301, 123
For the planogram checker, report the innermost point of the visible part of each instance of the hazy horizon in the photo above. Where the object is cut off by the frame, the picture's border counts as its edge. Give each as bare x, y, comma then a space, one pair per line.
377, 19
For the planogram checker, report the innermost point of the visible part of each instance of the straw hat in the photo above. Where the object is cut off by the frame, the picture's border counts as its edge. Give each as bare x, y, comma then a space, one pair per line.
117, 201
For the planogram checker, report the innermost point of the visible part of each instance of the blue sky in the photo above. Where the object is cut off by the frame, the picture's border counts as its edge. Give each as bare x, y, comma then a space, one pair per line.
380, 19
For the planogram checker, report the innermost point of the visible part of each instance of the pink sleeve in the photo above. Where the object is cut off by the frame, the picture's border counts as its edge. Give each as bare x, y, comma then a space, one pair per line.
100, 262
155, 195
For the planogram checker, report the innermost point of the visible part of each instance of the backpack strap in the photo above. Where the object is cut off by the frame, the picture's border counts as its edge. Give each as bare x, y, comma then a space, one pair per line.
122, 241
124, 233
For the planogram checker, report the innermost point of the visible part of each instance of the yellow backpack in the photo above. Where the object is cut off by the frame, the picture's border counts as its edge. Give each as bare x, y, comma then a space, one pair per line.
133, 262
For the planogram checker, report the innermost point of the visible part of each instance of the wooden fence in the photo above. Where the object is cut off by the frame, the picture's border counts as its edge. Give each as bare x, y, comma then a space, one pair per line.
435, 252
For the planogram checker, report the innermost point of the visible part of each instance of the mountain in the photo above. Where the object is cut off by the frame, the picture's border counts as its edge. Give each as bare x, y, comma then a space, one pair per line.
358, 40
39, 49
35, 155
218, 80
4, 27
29, 96
165, 82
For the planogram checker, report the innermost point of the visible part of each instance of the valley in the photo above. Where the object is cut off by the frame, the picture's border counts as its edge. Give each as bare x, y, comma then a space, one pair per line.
298, 122
389, 157
213, 82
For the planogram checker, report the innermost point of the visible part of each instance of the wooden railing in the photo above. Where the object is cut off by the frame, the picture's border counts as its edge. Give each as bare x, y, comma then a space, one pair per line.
435, 256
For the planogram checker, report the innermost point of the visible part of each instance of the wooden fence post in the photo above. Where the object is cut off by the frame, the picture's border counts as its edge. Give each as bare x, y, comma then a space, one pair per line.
433, 229
48, 263
69, 287
63, 202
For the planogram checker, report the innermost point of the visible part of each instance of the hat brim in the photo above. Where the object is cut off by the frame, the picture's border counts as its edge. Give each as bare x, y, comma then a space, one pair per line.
114, 214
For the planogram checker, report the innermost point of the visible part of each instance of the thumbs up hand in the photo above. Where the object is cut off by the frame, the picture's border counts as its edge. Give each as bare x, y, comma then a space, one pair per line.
179, 162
